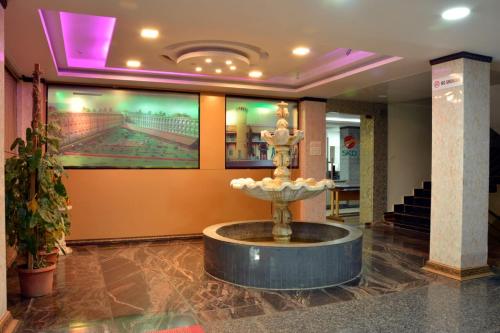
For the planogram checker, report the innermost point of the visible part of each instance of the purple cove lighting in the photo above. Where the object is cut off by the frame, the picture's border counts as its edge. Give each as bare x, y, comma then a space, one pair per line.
86, 39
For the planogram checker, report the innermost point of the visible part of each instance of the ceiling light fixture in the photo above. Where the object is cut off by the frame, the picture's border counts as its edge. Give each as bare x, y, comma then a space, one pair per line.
149, 33
218, 70
133, 63
233, 68
229, 62
198, 69
255, 74
208, 60
301, 51
455, 13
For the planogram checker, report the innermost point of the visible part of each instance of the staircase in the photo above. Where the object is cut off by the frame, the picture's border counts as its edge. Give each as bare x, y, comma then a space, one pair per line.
415, 212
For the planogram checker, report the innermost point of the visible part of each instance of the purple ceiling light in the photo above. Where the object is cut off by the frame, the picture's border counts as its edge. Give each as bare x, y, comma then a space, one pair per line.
86, 39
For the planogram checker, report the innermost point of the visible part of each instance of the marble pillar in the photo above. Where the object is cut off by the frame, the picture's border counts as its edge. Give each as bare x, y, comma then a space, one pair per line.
367, 171
7, 323
460, 166
312, 156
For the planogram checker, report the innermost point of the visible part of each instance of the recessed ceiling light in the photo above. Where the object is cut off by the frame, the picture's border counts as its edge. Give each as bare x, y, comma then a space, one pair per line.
455, 13
198, 69
255, 74
149, 33
208, 61
133, 63
229, 62
301, 51
233, 68
218, 70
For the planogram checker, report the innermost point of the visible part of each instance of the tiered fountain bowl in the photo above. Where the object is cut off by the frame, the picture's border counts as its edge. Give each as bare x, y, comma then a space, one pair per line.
281, 254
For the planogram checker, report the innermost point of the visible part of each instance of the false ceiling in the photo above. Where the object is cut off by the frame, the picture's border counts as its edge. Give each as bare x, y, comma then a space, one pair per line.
358, 47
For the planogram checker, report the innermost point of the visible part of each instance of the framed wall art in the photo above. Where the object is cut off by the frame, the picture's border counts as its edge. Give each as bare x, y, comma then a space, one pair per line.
125, 128
245, 119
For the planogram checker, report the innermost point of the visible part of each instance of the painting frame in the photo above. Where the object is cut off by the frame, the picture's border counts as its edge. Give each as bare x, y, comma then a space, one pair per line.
52, 85
258, 98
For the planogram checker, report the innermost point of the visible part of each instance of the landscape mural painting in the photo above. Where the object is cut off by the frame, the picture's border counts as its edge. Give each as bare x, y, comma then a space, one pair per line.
117, 128
245, 119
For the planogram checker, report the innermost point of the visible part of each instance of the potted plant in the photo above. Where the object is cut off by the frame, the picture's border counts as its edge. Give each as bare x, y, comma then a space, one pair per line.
35, 202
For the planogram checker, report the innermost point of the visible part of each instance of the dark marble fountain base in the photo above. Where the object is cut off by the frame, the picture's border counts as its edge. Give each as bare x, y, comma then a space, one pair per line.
319, 255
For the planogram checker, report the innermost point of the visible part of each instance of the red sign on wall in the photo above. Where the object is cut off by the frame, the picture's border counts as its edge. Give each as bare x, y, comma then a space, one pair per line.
349, 142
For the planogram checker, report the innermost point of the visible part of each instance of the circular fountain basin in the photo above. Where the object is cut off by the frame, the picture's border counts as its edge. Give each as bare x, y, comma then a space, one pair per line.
318, 255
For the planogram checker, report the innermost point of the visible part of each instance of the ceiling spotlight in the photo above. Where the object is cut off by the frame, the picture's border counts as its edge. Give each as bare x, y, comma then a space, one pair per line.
455, 13
233, 67
301, 51
133, 63
229, 62
149, 33
208, 60
198, 69
255, 74
218, 70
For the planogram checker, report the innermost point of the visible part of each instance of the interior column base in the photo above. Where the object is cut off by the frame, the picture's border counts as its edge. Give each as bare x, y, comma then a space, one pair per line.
8, 324
457, 273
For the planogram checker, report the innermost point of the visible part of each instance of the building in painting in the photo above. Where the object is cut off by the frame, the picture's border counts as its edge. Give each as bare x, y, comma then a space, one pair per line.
76, 126
178, 124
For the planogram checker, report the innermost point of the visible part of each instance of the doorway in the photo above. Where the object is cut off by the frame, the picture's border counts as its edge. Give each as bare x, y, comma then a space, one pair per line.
343, 143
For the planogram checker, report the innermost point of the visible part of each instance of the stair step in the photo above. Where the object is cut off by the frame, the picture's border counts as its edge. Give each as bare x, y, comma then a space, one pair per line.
417, 210
412, 227
427, 185
399, 208
420, 192
417, 201
412, 218
412, 222
389, 217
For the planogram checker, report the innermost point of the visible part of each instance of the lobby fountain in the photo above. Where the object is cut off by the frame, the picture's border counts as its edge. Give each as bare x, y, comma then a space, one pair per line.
282, 254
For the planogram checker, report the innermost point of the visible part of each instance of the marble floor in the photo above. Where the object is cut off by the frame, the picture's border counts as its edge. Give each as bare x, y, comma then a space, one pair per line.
144, 287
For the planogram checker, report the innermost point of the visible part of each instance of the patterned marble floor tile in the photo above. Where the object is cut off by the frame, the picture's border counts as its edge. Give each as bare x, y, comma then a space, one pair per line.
152, 322
231, 313
140, 287
213, 295
63, 308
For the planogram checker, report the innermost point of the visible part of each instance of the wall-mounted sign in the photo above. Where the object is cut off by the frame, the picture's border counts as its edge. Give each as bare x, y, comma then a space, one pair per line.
449, 81
315, 148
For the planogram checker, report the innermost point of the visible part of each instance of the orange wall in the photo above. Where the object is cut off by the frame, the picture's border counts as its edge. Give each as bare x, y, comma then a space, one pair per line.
133, 203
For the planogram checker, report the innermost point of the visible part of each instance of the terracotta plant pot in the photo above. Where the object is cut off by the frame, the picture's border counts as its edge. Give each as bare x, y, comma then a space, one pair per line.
37, 282
50, 257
